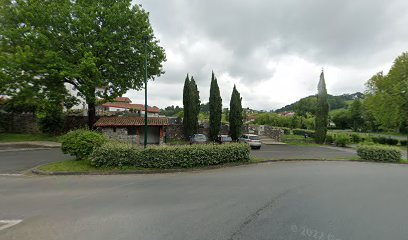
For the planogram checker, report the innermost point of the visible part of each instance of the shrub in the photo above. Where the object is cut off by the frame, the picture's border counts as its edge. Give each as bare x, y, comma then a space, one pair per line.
120, 154
382, 140
403, 142
355, 138
392, 141
379, 153
329, 139
341, 140
375, 140
51, 122
81, 143
302, 132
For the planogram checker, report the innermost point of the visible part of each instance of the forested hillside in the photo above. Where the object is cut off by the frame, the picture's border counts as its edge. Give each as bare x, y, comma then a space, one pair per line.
308, 104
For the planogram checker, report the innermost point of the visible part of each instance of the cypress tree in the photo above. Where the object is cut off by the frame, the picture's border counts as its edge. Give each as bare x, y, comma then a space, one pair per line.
215, 108
235, 115
322, 111
195, 102
187, 129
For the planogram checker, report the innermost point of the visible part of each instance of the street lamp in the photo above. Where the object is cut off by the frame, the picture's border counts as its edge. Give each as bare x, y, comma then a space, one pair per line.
145, 39
403, 92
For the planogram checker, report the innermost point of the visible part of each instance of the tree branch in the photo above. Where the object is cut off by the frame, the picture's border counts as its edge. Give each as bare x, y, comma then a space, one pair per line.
72, 83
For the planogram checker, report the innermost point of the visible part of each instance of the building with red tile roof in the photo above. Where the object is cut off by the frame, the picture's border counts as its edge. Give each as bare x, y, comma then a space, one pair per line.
124, 104
131, 129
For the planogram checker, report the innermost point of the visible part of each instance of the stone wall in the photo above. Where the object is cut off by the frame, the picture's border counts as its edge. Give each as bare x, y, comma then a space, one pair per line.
175, 132
18, 123
121, 134
264, 130
274, 133
28, 123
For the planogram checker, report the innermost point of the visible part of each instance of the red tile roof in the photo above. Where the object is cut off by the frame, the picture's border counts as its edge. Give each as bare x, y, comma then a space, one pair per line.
127, 121
122, 99
139, 107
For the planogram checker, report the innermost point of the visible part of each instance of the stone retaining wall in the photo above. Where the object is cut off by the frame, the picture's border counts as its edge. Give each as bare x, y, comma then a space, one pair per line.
18, 123
28, 123
121, 134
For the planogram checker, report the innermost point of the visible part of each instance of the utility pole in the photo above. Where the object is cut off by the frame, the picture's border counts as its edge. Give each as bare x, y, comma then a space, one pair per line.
145, 82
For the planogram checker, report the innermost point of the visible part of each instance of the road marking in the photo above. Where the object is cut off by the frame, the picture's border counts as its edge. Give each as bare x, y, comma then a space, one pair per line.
11, 174
8, 223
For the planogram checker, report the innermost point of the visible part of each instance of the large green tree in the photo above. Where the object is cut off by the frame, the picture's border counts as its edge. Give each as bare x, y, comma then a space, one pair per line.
322, 111
387, 96
215, 108
195, 101
94, 46
235, 114
356, 114
187, 106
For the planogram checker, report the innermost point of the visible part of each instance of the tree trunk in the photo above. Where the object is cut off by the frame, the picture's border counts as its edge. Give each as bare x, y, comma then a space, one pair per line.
91, 115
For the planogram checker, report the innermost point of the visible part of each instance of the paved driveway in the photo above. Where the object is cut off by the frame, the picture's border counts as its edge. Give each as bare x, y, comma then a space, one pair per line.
12, 162
272, 152
283, 201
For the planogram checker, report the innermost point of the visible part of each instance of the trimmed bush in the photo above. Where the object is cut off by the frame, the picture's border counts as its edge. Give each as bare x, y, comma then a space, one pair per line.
392, 141
329, 139
341, 140
375, 140
120, 154
379, 153
403, 142
355, 138
81, 143
302, 132
382, 140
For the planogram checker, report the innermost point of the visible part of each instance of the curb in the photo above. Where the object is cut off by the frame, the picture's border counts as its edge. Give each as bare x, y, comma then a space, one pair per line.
177, 170
27, 149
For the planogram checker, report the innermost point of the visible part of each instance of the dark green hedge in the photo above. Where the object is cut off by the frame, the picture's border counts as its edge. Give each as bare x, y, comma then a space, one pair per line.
379, 153
341, 140
184, 156
302, 132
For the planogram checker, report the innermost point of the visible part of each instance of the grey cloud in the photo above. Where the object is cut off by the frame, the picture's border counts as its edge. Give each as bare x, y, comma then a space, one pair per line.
241, 37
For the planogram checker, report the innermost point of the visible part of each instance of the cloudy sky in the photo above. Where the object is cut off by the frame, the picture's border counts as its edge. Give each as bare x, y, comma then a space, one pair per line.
273, 50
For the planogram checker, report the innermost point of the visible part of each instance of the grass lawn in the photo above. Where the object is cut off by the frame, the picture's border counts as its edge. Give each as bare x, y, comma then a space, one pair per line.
396, 135
83, 166
16, 137
298, 140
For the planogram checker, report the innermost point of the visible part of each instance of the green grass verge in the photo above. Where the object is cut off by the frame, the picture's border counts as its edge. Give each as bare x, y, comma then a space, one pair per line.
297, 140
16, 137
83, 166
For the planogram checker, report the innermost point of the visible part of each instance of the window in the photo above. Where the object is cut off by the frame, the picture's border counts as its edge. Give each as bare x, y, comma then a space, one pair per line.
254, 137
131, 130
114, 129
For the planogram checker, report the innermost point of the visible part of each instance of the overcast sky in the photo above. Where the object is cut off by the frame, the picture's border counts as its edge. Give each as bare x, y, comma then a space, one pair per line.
273, 50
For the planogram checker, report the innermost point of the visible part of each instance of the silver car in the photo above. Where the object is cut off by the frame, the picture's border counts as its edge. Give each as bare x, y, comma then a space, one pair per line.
252, 139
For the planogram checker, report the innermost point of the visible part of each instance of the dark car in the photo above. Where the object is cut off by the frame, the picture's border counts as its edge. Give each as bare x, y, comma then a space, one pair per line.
198, 139
221, 139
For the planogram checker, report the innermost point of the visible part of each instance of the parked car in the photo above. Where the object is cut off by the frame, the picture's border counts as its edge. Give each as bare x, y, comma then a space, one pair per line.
198, 139
222, 139
252, 139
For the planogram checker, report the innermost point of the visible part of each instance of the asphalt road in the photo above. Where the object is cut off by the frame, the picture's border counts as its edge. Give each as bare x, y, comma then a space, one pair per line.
272, 152
284, 200
12, 162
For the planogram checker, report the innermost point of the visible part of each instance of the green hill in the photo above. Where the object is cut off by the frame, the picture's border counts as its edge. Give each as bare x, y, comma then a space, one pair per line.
308, 104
